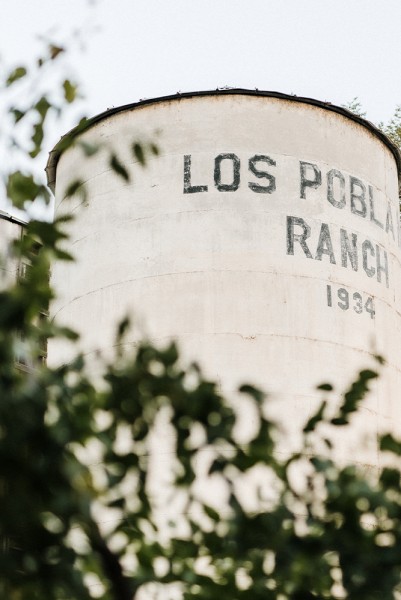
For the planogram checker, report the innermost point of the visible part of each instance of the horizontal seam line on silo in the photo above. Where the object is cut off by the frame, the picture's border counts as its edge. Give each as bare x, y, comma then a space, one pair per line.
179, 273
277, 335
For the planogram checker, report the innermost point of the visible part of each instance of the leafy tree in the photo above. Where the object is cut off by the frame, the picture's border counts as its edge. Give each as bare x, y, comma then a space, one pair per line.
355, 106
392, 129
87, 511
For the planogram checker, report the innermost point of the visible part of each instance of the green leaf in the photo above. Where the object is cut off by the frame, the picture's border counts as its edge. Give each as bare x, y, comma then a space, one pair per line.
154, 149
68, 333
15, 75
252, 391
42, 106
70, 91
214, 515
55, 51
117, 503
17, 114
119, 168
73, 187
390, 478
321, 464
318, 417
89, 149
37, 139
339, 421
139, 154
123, 327
325, 387
218, 465
22, 188
389, 444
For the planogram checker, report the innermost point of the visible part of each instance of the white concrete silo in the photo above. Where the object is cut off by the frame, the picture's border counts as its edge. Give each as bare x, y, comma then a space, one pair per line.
264, 239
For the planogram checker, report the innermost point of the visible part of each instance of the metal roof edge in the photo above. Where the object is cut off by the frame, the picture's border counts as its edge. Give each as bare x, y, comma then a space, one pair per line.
67, 139
7, 217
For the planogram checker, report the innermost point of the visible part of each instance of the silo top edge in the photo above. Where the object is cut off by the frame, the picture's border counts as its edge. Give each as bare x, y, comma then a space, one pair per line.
68, 138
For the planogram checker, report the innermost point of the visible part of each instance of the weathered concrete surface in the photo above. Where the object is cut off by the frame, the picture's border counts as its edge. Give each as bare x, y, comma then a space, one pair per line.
264, 239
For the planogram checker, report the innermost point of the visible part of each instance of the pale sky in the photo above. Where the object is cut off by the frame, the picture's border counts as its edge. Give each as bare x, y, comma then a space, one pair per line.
332, 50
328, 49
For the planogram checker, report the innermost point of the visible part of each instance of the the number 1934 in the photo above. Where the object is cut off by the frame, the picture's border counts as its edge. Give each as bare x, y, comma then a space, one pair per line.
346, 300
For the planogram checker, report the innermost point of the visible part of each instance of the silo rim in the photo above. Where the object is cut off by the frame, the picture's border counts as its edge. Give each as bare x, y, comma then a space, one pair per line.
67, 139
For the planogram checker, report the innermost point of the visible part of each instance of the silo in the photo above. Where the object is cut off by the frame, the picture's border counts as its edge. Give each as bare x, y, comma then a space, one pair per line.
264, 238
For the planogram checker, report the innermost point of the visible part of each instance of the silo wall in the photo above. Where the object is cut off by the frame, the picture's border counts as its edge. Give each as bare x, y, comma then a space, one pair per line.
264, 238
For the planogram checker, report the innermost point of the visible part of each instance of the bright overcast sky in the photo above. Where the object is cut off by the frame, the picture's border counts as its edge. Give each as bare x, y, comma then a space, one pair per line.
331, 50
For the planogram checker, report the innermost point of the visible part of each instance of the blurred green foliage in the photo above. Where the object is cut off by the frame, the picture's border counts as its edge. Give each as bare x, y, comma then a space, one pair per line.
87, 510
